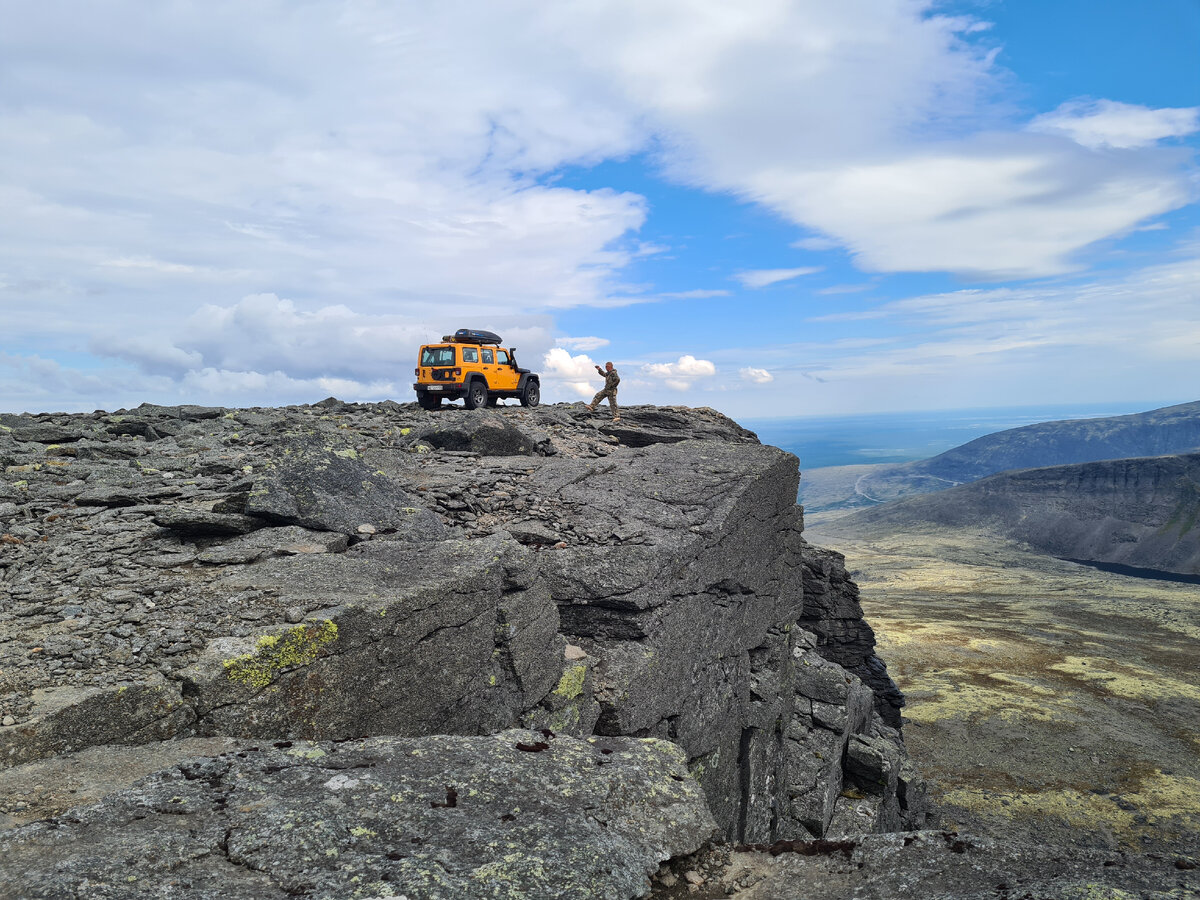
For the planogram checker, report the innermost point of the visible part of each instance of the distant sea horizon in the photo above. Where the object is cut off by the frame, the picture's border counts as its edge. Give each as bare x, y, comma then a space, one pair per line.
822, 441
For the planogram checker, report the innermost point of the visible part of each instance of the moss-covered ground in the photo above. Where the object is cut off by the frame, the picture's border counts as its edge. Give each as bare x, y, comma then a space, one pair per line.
1046, 700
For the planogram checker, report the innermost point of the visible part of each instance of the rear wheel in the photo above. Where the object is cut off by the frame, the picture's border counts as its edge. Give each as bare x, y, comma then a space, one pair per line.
477, 394
428, 402
532, 395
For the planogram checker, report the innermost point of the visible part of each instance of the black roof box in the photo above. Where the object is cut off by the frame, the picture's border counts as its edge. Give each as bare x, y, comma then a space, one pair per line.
475, 336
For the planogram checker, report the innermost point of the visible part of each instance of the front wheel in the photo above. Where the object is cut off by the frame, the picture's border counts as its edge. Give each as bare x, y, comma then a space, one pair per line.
477, 394
532, 395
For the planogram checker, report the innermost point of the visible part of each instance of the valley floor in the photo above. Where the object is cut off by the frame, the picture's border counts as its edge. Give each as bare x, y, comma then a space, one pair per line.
1047, 701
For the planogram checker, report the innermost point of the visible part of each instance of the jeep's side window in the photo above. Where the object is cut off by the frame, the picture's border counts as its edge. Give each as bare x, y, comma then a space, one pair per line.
502, 357
487, 356
470, 355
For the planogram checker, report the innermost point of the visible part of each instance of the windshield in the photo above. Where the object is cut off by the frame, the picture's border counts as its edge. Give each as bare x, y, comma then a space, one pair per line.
437, 356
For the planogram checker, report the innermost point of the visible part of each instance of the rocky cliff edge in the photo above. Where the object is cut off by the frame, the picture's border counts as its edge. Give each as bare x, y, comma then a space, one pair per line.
184, 580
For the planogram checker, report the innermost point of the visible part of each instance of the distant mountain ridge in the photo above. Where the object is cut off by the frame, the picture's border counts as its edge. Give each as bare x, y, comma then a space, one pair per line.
1169, 430
1139, 512
1158, 432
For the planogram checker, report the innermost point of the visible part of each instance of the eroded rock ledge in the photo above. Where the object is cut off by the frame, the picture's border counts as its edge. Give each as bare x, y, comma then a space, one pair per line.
338, 571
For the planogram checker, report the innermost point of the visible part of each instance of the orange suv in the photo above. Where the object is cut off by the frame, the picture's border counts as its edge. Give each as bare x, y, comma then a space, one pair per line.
472, 365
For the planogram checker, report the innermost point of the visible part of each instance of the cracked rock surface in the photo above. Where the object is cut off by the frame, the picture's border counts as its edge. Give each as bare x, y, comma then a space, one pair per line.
517, 814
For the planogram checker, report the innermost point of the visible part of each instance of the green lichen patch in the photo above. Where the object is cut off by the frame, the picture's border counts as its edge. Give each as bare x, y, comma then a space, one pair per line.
274, 652
307, 752
570, 685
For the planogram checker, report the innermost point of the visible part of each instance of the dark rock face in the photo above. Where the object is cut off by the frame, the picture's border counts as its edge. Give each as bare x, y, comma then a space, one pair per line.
330, 572
1136, 512
516, 814
832, 612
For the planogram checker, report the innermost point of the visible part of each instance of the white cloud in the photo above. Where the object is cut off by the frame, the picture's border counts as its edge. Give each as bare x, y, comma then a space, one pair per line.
816, 243
155, 265
582, 343
1107, 123
681, 374
698, 294
757, 376
846, 289
559, 363
759, 278
687, 365
352, 171
574, 374
1005, 206
869, 123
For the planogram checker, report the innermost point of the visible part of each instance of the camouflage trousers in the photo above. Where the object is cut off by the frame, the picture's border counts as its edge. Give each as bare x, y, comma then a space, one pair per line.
612, 400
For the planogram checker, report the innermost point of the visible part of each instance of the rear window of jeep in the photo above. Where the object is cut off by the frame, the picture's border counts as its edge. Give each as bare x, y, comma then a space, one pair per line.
437, 356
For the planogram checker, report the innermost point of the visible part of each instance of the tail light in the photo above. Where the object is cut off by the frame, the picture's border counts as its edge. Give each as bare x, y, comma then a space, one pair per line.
458, 373
416, 373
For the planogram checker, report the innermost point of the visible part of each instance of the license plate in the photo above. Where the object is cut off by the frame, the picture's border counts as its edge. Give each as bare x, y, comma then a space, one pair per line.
434, 387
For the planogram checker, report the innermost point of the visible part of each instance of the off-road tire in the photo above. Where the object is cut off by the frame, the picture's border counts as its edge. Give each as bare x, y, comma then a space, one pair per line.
428, 402
477, 394
532, 395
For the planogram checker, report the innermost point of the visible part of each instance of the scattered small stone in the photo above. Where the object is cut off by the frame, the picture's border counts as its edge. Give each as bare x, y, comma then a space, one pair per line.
693, 877
8, 721
366, 528
574, 652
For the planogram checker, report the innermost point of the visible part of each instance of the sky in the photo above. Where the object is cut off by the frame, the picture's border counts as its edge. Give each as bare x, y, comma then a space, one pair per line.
771, 208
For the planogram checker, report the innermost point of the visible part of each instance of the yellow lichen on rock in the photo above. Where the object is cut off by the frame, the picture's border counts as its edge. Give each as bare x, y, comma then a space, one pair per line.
570, 685
274, 652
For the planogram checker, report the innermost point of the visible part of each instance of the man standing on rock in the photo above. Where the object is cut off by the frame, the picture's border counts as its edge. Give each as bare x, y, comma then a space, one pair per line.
611, 380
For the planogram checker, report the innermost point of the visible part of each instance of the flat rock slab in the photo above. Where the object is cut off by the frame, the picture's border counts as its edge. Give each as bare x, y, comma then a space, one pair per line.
938, 865
193, 520
49, 787
266, 543
519, 814
324, 488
